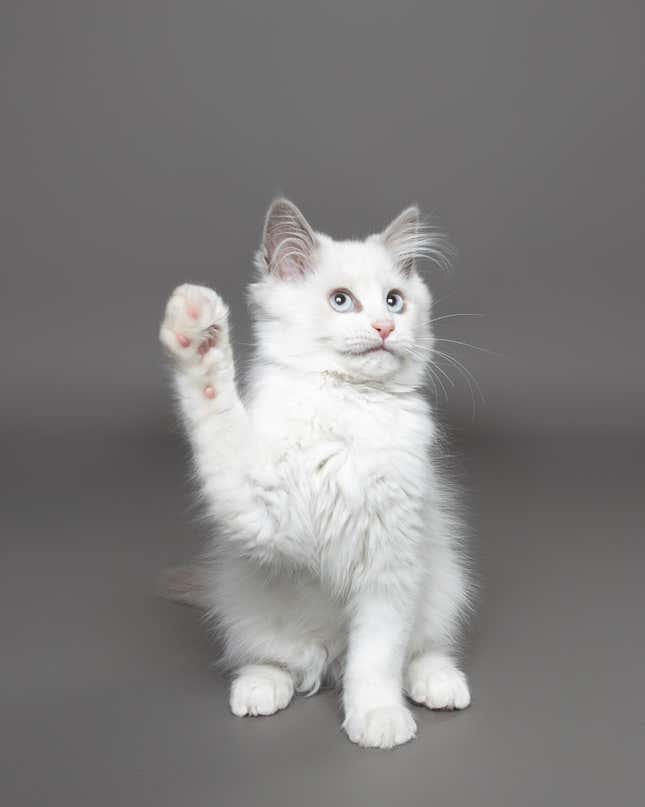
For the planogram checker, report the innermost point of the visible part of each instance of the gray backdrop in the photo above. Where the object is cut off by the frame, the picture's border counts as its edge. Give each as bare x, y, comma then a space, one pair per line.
141, 143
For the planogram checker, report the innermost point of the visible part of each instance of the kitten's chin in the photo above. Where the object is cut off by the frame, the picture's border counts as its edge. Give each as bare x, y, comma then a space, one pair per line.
370, 365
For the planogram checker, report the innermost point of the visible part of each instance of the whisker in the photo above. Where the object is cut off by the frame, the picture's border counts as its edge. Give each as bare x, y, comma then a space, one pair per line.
462, 367
434, 386
472, 395
434, 303
443, 372
448, 316
432, 368
467, 344
468, 377
438, 380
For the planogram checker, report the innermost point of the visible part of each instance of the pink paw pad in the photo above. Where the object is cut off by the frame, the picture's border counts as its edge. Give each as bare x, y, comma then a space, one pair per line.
209, 392
210, 342
183, 340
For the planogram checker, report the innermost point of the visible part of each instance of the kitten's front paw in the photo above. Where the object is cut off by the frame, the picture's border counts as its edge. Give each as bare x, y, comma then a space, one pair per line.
260, 689
381, 727
435, 681
195, 328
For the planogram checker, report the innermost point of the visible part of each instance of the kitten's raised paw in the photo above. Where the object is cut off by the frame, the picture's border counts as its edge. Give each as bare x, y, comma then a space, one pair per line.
381, 727
434, 681
195, 327
260, 689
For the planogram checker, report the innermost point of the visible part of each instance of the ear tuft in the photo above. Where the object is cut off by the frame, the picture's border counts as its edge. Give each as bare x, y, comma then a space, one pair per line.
410, 239
288, 242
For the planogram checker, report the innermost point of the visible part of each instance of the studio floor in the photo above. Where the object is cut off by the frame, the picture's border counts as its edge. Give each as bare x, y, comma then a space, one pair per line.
109, 695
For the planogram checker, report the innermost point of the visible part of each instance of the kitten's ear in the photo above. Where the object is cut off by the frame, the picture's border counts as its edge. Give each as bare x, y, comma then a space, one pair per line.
401, 238
288, 243
409, 239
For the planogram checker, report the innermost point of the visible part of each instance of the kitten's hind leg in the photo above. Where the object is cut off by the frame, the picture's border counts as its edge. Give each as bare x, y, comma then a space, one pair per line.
260, 689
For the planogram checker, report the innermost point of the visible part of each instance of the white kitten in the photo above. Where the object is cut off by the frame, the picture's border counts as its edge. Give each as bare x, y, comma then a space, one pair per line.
337, 553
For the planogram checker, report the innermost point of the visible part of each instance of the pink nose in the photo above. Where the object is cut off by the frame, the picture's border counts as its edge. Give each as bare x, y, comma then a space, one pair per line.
384, 328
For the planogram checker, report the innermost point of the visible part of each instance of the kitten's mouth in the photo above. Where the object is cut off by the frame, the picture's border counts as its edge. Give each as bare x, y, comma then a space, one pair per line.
368, 351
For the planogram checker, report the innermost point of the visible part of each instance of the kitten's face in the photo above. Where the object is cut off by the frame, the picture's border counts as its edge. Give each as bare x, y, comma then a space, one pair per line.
358, 309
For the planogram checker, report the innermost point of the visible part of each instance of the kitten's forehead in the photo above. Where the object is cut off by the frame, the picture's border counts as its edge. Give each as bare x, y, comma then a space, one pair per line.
356, 260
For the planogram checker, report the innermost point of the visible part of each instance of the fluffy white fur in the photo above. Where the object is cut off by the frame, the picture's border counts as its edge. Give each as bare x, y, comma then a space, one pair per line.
337, 554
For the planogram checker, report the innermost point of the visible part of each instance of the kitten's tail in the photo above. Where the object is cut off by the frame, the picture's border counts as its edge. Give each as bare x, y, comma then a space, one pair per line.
187, 585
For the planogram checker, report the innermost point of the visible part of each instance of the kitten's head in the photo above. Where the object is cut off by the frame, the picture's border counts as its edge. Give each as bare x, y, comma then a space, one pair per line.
358, 309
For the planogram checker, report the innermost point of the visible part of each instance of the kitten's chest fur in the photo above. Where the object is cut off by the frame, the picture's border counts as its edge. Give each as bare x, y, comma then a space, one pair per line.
352, 465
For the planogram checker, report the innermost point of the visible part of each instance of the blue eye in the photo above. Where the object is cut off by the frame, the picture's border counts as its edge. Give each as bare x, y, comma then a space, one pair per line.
341, 301
395, 302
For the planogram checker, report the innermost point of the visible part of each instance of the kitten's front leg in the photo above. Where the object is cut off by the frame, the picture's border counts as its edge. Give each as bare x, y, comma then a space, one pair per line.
375, 712
195, 334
